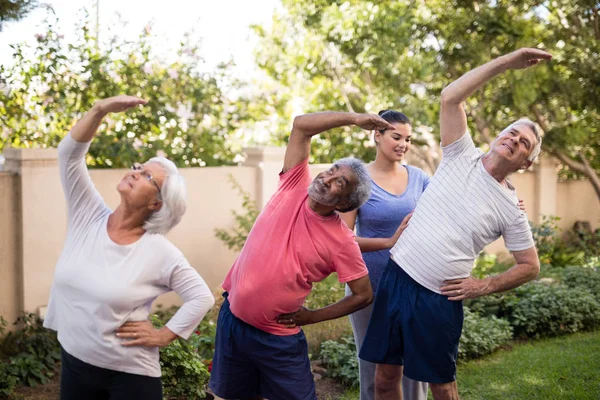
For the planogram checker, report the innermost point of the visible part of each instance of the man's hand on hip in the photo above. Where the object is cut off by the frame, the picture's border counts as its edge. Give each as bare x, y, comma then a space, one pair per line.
303, 316
466, 288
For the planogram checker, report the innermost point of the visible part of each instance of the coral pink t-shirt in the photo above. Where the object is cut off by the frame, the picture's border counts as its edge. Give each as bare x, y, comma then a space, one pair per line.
289, 248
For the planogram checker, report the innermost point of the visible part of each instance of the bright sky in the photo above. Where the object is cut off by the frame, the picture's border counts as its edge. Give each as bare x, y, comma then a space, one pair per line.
223, 25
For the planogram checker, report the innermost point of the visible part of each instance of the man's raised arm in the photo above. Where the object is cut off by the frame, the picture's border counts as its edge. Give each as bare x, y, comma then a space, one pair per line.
308, 125
453, 120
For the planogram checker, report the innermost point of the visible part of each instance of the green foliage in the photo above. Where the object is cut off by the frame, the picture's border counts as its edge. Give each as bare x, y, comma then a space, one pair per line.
326, 292
340, 360
28, 355
184, 373
236, 238
364, 56
13, 10
482, 335
540, 310
555, 251
188, 117
583, 278
488, 264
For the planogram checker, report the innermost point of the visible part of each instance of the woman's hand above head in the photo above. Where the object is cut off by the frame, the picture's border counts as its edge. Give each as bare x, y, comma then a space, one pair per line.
143, 333
87, 126
119, 103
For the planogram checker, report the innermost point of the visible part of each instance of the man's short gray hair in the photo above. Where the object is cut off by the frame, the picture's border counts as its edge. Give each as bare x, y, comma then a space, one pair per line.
531, 125
174, 204
362, 190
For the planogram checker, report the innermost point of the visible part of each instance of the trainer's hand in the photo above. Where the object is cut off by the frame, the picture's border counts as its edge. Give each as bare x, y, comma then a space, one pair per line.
521, 205
119, 103
401, 228
372, 122
292, 320
143, 333
525, 57
466, 288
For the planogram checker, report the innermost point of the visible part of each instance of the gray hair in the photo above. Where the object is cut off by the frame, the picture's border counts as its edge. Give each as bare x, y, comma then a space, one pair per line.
362, 190
173, 194
531, 125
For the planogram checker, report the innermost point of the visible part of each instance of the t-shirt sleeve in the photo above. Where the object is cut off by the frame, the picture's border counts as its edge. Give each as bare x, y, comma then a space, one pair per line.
299, 176
426, 180
349, 263
197, 298
517, 235
459, 148
84, 203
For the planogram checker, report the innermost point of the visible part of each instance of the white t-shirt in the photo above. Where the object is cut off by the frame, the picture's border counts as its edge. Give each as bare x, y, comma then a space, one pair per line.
99, 285
463, 209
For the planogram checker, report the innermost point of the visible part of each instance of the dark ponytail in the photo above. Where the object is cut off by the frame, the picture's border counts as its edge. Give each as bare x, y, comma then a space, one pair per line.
392, 116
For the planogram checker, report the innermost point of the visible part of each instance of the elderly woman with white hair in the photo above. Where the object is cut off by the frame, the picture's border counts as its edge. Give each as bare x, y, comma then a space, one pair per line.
113, 266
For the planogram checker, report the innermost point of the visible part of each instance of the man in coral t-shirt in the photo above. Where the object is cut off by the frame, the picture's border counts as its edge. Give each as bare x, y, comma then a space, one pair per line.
298, 239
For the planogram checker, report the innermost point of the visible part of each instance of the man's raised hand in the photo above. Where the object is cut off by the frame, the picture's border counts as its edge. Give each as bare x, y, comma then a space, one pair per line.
526, 57
372, 122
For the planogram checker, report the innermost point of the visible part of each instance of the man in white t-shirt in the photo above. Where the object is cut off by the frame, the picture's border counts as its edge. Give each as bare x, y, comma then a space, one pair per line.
417, 315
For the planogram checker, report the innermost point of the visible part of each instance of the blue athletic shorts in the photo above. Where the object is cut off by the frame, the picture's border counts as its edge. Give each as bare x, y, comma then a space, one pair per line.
249, 362
415, 327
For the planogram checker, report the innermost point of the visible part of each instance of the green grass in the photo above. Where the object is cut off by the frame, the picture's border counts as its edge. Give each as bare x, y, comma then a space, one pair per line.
553, 369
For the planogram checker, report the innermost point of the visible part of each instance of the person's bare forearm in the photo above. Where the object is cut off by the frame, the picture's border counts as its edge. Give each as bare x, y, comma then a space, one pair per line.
459, 90
347, 305
315, 123
514, 277
373, 244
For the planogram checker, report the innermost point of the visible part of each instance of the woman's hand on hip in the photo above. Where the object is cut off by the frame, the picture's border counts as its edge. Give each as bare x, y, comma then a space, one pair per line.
143, 333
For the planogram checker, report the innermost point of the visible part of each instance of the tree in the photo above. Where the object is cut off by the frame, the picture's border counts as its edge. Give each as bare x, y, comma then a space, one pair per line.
362, 56
13, 10
188, 117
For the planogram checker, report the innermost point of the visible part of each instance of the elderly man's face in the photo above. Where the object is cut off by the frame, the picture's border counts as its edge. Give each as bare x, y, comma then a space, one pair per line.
515, 145
332, 187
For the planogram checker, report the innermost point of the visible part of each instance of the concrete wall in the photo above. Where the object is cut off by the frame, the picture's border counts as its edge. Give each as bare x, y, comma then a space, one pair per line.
33, 219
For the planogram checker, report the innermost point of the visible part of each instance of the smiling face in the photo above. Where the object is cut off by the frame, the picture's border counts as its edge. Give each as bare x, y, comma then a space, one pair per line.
394, 144
332, 187
514, 145
139, 187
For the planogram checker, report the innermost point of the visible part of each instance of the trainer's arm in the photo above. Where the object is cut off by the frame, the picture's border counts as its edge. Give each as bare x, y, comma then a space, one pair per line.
527, 269
374, 244
308, 125
362, 296
453, 120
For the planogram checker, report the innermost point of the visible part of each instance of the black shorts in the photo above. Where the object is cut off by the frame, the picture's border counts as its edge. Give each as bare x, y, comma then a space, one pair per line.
80, 380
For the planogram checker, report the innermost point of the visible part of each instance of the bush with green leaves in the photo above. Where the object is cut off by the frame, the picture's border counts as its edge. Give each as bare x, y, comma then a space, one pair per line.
552, 249
184, 373
340, 359
482, 335
538, 310
28, 355
583, 278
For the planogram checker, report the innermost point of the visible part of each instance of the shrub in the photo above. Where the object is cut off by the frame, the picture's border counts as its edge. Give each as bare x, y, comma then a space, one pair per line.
552, 250
539, 310
482, 335
583, 278
340, 360
184, 373
28, 355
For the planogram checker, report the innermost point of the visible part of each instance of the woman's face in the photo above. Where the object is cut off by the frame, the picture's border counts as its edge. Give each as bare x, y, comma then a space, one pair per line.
141, 187
394, 144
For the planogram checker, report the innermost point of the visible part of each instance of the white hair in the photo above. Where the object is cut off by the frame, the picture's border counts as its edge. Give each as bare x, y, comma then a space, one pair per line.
531, 125
362, 190
173, 195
